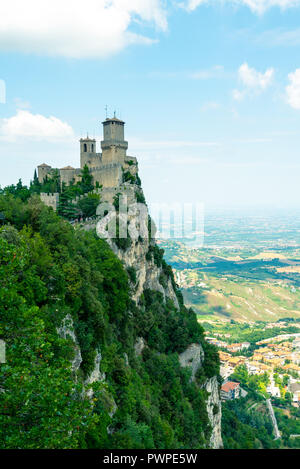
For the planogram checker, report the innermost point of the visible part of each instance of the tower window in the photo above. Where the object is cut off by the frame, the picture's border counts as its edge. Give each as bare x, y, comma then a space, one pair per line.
92, 147
85, 148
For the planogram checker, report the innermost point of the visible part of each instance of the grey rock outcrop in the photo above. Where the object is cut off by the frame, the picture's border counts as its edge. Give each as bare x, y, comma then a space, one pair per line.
95, 375
193, 357
139, 346
65, 331
214, 412
135, 256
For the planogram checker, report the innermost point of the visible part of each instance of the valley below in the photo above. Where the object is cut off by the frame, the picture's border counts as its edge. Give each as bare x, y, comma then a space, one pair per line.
243, 282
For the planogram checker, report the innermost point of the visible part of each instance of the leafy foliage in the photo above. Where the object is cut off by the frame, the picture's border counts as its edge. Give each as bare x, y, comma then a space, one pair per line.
48, 269
246, 429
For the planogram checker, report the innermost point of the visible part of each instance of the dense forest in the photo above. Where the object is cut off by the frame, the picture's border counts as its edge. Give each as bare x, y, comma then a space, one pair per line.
50, 270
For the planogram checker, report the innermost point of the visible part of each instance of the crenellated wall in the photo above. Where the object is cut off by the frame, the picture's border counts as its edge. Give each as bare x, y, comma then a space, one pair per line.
51, 200
108, 175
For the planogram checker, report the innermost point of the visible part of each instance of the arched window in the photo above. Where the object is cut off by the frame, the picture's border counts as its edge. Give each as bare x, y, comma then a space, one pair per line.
92, 147
85, 148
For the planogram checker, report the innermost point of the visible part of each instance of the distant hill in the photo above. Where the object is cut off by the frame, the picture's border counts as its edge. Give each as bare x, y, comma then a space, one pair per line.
262, 286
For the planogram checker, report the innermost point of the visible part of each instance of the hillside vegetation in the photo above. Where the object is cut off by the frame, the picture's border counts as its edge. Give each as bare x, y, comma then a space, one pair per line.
50, 270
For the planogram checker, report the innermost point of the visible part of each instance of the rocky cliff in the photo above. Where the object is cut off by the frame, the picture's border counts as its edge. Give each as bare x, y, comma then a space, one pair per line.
149, 275
193, 357
142, 256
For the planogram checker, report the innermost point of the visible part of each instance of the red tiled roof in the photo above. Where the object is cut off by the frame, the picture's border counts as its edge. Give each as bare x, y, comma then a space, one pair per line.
229, 386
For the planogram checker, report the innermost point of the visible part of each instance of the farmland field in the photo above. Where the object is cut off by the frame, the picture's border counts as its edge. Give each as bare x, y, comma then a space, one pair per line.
243, 275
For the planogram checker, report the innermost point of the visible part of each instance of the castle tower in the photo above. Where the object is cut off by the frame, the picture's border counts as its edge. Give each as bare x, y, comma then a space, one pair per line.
43, 171
113, 144
88, 152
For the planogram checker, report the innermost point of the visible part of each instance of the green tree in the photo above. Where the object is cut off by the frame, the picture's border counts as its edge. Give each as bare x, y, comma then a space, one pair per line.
88, 205
41, 406
86, 182
66, 208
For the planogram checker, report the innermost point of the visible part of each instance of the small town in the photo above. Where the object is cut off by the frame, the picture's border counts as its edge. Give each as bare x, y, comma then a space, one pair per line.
278, 357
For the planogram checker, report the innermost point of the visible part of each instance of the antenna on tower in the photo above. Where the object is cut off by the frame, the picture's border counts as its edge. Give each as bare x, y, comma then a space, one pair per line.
114, 113
106, 110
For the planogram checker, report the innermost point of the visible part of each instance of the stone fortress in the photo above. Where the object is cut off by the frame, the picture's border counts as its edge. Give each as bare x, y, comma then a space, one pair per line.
107, 168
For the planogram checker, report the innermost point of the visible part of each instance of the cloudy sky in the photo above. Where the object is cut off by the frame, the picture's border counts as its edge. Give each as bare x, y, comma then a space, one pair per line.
209, 90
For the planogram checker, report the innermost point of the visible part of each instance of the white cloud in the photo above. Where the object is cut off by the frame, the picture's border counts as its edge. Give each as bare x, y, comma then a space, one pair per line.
34, 126
251, 78
76, 28
257, 6
238, 95
293, 89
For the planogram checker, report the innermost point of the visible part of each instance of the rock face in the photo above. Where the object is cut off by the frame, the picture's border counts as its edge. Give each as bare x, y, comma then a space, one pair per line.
193, 357
95, 375
139, 346
214, 411
66, 330
148, 274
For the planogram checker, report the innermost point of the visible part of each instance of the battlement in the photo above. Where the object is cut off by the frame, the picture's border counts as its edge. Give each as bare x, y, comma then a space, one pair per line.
51, 200
104, 166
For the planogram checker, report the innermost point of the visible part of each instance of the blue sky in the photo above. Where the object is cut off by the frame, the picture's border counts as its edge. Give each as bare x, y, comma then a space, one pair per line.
209, 90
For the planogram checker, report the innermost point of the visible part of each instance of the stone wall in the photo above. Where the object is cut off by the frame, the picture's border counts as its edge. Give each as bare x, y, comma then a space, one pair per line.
69, 174
43, 171
51, 200
113, 153
109, 175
